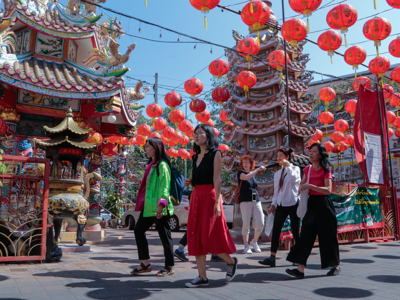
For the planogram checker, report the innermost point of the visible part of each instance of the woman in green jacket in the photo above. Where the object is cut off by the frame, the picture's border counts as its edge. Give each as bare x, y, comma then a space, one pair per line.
153, 202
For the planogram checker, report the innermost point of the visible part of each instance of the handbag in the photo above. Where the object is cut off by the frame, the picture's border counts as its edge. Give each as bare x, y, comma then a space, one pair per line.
304, 194
237, 192
269, 223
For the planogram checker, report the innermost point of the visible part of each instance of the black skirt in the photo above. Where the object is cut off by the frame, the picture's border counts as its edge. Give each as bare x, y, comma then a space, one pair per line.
320, 220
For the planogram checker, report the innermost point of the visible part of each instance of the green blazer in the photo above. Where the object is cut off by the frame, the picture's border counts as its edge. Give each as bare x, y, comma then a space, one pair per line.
157, 188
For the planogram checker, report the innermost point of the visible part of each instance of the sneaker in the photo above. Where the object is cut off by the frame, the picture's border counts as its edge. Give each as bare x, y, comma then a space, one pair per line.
247, 250
216, 258
180, 255
255, 247
270, 261
231, 270
334, 272
197, 282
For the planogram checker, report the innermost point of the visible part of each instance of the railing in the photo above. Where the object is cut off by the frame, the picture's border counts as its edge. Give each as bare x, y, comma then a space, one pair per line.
23, 208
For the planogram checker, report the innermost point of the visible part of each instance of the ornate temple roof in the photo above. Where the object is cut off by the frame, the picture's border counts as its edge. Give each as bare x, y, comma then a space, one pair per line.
57, 142
67, 124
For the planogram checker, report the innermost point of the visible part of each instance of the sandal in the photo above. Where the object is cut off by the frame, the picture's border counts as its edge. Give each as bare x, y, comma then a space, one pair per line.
145, 269
167, 271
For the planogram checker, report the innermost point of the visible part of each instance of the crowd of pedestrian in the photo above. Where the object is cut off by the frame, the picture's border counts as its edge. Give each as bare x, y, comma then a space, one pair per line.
207, 231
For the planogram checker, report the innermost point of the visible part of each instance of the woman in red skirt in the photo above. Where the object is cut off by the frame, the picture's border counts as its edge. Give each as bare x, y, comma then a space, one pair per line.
207, 231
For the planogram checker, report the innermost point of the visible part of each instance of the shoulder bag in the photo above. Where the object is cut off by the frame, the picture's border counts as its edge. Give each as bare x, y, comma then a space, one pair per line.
304, 194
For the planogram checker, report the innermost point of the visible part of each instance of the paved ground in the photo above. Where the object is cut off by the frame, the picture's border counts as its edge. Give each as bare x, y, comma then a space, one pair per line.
369, 271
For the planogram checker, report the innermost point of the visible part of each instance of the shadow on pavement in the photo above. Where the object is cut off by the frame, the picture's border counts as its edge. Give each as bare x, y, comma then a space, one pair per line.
2, 278
343, 293
387, 256
364, 247
385, 278
389, 245
357, 261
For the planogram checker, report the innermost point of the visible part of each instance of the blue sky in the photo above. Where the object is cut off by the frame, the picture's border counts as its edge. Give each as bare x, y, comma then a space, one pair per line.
178, 62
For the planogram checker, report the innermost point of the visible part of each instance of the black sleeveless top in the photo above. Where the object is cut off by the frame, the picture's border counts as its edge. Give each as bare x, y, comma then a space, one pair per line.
204, 173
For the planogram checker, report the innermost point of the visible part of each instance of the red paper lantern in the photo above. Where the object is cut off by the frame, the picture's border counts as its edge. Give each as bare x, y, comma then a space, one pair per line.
185, 126
204, 6
277, 61
327, 94
397, 133
141, 140
394, 47
342, 146
365, 81
248, 47
184, 140
197, 106
294, 31
203, 116
176, 116
246, 79
169, 133
342, 17
164, 140
210, 122
220, 95
329, 147
391, 117
93, 138
159, 124
391, 132
255, 14
379, 65
395, 100
387, 91
132, 141
144, 129
337, 137
351, 106
318, 135
219, 68
216, 131
341, 125
223, 117
223, 148
193, 87
119, 140
396, 122
395, 74
355, 56
154, 110
173, 99
190, 132
326, 117
305, 7
349, 140
109, 150
330, 41
155, 134
377, 29
394, 3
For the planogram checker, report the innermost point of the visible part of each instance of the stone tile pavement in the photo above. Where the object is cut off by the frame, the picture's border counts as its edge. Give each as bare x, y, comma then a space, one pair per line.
369, 271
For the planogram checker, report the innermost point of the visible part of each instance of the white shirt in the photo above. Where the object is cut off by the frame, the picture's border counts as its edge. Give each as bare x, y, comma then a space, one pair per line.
288, 195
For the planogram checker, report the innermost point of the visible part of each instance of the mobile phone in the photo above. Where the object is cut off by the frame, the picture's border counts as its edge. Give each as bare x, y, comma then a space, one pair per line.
254, 197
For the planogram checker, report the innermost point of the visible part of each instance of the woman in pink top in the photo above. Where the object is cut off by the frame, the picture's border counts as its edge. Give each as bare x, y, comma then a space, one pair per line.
320, 219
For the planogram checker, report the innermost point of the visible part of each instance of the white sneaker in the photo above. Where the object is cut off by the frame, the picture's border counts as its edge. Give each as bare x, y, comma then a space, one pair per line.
247, 251
255, 247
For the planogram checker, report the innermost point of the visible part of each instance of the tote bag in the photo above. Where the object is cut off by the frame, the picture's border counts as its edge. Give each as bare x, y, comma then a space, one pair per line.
304, 194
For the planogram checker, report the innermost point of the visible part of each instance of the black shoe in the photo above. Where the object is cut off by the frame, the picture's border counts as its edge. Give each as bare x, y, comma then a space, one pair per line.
270, 261
295, 273
180, 255
334, 272
216, 258
231, 270
197, 282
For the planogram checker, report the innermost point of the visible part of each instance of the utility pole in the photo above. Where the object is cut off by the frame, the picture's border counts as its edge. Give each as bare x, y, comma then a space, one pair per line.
155, 88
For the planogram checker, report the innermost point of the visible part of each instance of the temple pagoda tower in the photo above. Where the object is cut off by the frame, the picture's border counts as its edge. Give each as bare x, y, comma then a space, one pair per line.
260, 124
53, 57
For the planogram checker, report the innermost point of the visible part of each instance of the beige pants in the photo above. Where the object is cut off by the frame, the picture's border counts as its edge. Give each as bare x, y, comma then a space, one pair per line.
255, 209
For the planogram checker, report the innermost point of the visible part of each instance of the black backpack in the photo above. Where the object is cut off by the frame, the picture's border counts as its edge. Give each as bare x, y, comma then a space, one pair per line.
177, 185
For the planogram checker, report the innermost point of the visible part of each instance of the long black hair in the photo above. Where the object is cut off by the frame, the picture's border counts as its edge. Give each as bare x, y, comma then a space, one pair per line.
287, 152
212, 141
324, 160
158, 145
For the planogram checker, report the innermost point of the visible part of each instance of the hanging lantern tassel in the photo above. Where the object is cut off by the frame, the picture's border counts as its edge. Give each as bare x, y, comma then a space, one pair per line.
308, 26
246, 90
258, 37
345, 40
205, 22
355, 67
145, 3
382, 83
375, 4
377, 44
280, 69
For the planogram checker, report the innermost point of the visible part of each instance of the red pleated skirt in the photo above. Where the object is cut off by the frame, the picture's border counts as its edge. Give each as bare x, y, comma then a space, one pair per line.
205, 233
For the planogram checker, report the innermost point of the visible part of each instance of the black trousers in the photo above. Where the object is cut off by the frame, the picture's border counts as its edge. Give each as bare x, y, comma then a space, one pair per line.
282, 212
162, 225
320, 220
183, 240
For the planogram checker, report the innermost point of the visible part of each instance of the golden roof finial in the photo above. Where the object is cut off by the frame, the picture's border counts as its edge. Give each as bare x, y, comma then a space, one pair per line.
69, 113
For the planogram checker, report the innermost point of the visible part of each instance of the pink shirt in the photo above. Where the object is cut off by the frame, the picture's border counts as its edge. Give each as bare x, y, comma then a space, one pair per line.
317, 178
142, 188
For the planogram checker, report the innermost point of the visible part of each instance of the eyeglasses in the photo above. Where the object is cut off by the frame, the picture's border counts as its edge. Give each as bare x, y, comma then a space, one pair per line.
246, 162
199, 133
